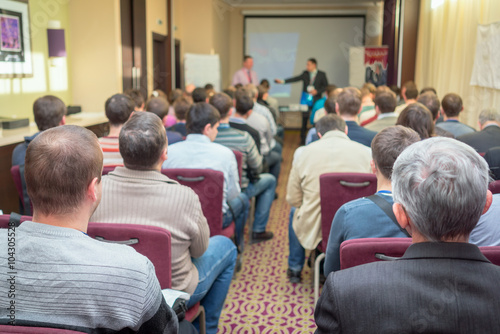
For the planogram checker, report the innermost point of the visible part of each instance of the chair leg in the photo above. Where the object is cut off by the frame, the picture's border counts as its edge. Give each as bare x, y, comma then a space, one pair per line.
202, 321
317, 263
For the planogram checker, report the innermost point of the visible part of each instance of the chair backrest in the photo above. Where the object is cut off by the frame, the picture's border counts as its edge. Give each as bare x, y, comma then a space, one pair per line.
4, 221
151, 241
208, 184
107, 169
239, 161
24, 200
335, 190
355, 252
5, 329
494, 187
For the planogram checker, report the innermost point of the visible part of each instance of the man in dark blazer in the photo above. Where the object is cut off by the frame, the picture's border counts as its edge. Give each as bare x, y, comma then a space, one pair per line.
489, 136
442, 284
314, 82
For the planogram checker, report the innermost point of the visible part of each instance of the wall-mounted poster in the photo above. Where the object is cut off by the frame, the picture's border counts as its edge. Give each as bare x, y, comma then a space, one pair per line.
15, 39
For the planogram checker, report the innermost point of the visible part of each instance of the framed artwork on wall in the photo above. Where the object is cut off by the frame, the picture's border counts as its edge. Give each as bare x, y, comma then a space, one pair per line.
15, 39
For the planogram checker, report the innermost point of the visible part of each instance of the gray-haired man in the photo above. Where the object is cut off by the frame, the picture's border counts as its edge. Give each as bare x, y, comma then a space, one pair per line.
442, 284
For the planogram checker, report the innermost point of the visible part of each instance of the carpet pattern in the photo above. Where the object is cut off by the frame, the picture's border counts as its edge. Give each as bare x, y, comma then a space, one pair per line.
261, 299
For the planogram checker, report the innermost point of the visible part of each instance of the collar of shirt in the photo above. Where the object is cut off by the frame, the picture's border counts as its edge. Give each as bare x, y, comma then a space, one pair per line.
224, 126
491, 125
389, 114
237, 120
313, 73
197, 137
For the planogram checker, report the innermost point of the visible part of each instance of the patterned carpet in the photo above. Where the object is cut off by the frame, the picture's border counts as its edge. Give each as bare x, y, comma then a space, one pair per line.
261, 299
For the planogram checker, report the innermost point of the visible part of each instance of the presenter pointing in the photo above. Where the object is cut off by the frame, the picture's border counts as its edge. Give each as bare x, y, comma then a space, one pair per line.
314, 85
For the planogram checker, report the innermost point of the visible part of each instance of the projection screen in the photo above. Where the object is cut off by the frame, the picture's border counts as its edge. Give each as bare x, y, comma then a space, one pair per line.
281, 45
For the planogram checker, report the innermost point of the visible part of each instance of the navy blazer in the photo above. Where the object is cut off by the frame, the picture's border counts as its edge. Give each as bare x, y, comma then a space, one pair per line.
320, 83
435, 287
483, 140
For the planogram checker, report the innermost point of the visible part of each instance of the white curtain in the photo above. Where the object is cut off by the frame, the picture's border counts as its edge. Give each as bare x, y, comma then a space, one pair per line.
446, 49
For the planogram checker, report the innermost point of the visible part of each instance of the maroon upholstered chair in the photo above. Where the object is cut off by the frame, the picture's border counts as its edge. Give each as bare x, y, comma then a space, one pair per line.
152, 242
5, 329
4, 221
356, 252
239, 160
208, 184
26, 207
494, 187
108, 169
336, 189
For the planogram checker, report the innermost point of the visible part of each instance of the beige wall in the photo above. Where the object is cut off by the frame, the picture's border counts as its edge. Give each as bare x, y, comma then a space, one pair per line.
96, 64
155, 10
18, 94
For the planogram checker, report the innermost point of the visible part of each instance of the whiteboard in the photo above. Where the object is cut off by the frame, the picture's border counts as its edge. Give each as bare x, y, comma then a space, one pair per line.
200, 69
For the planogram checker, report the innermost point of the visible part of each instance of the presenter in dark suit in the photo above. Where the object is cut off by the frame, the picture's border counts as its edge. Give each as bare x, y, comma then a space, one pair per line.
442, 284
314, 82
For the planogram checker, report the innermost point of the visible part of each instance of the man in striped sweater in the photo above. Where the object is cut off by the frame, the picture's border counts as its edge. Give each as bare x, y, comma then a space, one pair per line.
53, 274
140, 194
253, 183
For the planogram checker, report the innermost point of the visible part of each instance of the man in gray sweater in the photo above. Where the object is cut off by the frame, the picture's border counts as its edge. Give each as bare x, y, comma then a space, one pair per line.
57, 276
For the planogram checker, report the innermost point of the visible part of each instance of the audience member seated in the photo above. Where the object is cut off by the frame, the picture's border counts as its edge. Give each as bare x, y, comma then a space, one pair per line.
181, 107
409, 92
270, 149
199, 95
173, 96
253, 183
378, 90
118, 109
263, 98
369, 217
368, 92
63, 278
137, 97
348, 107
431, 101
264, 111
442, 284
385, 104
209, 90
322, 111
452, 106
199, 151
489, 134
49, 112
238, 120
329, 107
320, 104
140, 194
333, 153
273, 103
159, 106
417, 117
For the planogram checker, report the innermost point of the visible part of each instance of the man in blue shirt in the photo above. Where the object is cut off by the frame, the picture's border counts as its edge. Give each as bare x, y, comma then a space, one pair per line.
363, 218
199, 151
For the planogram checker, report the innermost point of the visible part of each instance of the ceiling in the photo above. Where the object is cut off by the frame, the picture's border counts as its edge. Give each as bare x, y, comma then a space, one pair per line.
237, 3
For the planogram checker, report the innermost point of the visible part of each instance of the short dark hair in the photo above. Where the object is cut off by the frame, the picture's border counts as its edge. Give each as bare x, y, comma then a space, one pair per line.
199, 95
174, 95
247, 57
265, 83
136, 96
199, 115
330, 89
61, 162
428, 89
416, 116
181, 107
142, 141
431, 101
349, 101
262, 91
158, 106
118, 108
244, 102
313, 60
452, 105
386, 102
222, 102
411, 91
209, 86
330, 122
388, 144
330, 105
229, 92
49, 111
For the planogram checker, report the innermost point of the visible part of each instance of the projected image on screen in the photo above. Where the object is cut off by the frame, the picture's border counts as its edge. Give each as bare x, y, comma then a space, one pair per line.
274, 57
280, 47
